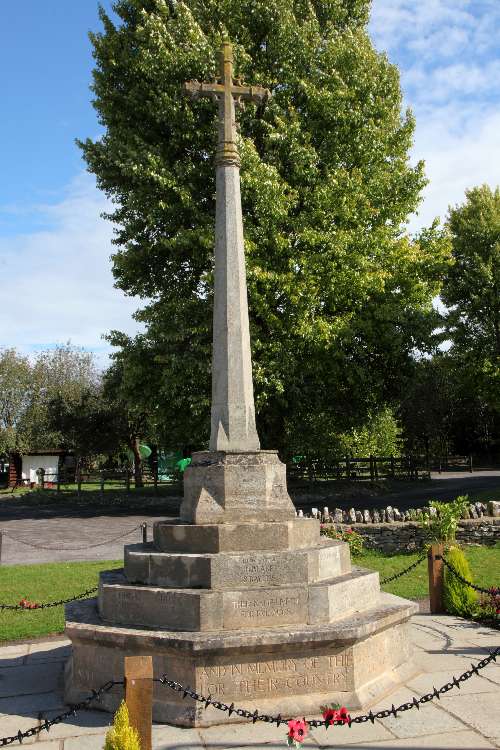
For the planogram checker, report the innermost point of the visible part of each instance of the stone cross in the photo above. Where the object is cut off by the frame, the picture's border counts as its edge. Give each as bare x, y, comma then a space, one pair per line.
233, 411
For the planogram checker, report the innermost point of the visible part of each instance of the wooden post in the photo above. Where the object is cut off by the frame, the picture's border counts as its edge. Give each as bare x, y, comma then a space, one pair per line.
101, 482
139, 696
127, 481
348, 467
393, 467
436, 569
470, 463
372, 469
79, 482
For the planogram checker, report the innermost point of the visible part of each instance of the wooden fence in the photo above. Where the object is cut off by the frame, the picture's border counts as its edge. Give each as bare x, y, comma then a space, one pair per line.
373, 468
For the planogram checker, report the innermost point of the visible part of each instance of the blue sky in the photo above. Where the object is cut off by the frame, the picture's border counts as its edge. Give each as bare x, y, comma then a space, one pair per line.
53, 244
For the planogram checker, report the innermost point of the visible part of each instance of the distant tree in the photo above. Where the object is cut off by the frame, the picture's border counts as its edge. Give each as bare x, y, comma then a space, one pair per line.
29, 387
87, 424
131, 417
429, 407
15, 397
339, 295
471, 291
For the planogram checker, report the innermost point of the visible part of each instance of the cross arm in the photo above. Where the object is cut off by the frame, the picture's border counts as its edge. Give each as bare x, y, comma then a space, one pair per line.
250, 93
196, 90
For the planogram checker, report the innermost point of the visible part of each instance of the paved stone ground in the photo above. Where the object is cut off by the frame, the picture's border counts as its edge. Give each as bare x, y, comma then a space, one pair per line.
31, 681
66, 532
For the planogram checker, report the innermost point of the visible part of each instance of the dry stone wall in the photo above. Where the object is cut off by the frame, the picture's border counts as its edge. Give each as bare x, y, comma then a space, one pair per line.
389, 530
410, 536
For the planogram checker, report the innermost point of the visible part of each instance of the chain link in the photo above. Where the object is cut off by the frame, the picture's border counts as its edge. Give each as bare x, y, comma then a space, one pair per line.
405, 571
494, 590
72, 711
393, 711
47, 605
70, 549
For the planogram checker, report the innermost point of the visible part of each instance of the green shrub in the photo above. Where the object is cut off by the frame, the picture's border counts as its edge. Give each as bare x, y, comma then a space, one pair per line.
458, 599
443, 526
122, 736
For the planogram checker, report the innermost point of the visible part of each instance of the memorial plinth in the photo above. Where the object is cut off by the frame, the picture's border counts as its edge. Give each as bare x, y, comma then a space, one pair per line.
238, 598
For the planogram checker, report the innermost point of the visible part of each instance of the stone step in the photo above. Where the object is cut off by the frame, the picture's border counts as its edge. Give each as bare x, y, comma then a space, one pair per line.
297, 533
208, 610
229, 570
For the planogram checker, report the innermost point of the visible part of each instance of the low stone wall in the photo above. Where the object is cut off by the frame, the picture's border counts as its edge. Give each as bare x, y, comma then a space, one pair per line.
409, 536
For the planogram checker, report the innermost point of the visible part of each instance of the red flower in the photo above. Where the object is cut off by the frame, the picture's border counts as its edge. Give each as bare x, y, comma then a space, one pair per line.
343, 715
331, 715
297, 729
25, 604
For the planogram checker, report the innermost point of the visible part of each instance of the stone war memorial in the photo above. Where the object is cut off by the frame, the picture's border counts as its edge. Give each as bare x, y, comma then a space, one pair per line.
238, 598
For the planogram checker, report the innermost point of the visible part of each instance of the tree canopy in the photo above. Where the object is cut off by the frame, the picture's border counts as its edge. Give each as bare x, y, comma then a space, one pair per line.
339, 295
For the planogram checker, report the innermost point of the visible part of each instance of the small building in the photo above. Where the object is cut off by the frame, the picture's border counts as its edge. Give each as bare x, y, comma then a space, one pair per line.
23, 467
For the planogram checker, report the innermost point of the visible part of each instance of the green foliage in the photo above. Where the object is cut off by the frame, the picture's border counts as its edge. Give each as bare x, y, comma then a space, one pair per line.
339, 296
15, 396
458, 599
380, 436
471, 291
442, 527
28, 388
122, 736
353, 539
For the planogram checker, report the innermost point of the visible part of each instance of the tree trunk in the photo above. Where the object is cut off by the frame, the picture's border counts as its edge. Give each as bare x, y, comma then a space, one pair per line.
134, 444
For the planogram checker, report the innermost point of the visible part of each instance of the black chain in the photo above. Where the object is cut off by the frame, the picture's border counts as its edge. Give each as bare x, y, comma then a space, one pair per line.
72, 711
492, 591
405, 571
48, 604
393, 711
96, 695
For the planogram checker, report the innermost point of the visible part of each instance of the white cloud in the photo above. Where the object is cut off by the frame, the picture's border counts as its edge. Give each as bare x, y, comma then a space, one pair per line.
57, 283
449, 58
456, 161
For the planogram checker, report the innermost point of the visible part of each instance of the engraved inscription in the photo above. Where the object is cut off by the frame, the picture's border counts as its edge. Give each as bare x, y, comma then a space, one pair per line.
265, 607
273, 607
256, 571
279, 676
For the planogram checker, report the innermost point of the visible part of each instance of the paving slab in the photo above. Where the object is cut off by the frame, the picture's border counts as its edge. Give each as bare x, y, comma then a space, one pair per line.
30, 679
166, 737
358, 734
32, 705
465, 740
480, 712
85, 742
86, 722
426, 682
31, 684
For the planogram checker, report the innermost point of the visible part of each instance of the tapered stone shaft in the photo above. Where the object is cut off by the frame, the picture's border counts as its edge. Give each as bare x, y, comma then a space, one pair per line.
233, 412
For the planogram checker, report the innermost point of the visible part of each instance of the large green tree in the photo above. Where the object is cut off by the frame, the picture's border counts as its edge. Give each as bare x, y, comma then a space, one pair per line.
339, 296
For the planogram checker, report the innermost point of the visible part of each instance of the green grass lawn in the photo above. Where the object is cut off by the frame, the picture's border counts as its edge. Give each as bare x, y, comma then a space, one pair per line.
47, 582
484, 563
43, 583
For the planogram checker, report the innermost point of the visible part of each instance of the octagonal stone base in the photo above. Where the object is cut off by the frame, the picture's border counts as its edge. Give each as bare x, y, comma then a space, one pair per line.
290, 670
